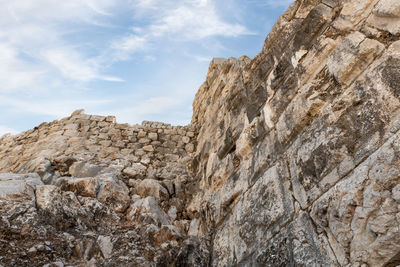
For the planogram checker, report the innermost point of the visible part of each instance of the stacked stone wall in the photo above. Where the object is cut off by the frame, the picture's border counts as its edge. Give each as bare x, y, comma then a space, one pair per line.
100, 140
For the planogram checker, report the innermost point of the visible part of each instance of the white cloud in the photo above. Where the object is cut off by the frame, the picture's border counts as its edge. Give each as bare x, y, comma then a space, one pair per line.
127, 45
46, 10
14, 73
5, 130
72, 66
30, 40
182, 20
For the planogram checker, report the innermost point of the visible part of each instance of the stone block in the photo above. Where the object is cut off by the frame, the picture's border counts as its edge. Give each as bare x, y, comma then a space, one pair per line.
97, 118
137, 170
153, 136
150, 187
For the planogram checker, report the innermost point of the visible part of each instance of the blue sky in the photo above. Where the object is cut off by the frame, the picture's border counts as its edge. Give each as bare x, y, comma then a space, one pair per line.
136, 59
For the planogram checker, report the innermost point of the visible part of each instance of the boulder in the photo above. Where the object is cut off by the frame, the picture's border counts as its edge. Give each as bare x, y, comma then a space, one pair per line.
85, 169
115, 194
16, 184
86, 187
148, 208
150, 187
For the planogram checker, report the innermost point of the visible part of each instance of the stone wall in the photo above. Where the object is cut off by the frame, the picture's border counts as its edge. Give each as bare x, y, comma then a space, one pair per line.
298, 148
154, 146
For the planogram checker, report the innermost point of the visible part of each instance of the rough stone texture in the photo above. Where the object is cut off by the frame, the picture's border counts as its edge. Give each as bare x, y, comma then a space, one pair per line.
291, 159
75, 202
297, 157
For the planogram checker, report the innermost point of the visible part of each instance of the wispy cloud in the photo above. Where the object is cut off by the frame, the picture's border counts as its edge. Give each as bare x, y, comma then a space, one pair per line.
180, 20
129, 44
16, 74
72, 66
30, 40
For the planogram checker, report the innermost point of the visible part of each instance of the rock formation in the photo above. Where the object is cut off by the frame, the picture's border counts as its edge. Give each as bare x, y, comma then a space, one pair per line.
292, 159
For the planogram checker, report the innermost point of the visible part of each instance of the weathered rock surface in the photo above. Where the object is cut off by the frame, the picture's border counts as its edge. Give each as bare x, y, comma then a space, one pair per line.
297, 157
291, 159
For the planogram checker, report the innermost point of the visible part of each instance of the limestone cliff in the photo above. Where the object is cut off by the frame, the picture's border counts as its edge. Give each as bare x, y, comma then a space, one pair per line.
291, 159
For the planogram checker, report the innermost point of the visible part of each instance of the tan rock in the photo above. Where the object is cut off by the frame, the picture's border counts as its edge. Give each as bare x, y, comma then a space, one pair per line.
137, 170
86, 187
148, 207
148, 148
115, 194
150, 187
153, 136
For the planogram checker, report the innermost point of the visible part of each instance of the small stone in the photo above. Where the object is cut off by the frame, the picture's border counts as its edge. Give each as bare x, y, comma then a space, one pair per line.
145, 161
185, 139
137, 170
141, 134
144, 140
189, 148
172, 213
58, 263
148, 148
97, 118
105, 245
164, 246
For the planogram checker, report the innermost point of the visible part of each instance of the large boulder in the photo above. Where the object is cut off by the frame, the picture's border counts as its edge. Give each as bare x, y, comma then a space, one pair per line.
12, 184
60, 209
86, 187
114, 193
84, 169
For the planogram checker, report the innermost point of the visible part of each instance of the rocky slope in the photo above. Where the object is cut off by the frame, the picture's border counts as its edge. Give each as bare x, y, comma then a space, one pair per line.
291, 159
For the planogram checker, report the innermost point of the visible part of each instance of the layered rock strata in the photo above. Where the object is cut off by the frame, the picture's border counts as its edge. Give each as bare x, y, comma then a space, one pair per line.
291, 159
298, 149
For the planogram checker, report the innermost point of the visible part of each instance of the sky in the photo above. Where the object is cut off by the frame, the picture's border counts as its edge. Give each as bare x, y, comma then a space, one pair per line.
135, 59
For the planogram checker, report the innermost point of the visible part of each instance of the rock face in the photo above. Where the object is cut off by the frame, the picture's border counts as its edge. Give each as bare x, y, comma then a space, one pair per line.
291, 159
